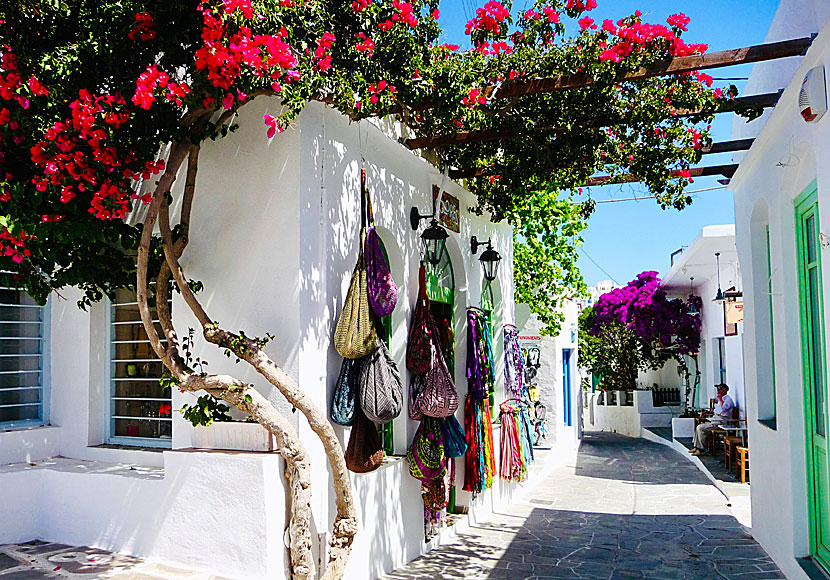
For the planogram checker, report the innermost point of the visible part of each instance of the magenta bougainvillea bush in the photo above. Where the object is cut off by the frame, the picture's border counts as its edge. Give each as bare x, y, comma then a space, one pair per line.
643, 306
638, 327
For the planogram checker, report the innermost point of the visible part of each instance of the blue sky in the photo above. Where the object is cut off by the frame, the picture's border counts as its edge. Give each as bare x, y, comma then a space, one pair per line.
626, 238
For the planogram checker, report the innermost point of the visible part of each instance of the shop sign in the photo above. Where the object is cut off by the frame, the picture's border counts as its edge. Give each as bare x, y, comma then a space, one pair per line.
449, 212
734, 312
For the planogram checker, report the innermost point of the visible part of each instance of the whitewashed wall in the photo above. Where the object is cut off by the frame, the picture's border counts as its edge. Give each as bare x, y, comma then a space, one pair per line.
274, 240
549, 378
786, 157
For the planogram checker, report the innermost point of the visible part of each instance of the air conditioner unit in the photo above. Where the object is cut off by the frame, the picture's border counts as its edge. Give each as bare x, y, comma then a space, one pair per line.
812, 99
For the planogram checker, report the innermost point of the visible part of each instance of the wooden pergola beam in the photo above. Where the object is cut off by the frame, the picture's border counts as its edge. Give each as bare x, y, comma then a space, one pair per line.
722, 147
466, 137
674, 66
725, 170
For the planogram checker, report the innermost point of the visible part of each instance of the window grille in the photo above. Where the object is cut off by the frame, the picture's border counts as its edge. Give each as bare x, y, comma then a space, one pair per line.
140, 409
22, 384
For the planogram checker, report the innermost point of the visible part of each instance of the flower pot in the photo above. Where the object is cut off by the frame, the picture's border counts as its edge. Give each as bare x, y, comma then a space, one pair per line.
233, 436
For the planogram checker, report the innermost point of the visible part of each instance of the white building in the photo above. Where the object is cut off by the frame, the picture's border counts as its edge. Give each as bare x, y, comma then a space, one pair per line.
274, 240
720, 359
553, 363
782, 215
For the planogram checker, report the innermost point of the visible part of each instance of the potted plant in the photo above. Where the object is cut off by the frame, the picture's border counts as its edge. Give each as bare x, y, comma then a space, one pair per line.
215, 428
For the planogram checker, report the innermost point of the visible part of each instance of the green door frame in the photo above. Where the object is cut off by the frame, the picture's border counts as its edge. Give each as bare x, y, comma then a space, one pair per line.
488, 306
386, 430
814, 372
441, 288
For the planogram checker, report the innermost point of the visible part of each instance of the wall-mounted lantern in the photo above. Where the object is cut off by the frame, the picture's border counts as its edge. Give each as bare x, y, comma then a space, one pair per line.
434, 237
489, 259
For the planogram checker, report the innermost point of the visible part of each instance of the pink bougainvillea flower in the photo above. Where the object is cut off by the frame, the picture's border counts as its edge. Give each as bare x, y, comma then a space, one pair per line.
680, 21
273, 126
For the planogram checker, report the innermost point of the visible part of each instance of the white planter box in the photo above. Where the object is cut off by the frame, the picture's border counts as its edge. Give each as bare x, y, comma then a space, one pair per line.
233, 436
683, 428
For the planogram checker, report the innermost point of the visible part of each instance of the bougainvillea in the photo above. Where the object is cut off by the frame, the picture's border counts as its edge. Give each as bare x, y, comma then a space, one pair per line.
100, 100
82, 128
648, 327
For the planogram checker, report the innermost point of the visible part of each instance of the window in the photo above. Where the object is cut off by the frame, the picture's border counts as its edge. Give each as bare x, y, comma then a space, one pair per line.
22, 385
764, 329
720, 361
140, 411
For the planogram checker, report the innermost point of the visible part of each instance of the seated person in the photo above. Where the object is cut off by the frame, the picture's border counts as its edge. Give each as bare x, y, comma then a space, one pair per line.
721, 413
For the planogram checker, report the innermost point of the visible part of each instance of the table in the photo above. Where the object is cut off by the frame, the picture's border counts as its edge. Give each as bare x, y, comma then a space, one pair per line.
736, 431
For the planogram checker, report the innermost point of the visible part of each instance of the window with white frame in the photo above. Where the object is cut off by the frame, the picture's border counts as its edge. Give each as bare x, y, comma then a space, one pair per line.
140, 409
22, 385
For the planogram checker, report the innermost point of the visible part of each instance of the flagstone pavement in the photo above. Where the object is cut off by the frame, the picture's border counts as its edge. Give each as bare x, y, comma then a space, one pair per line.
628, 508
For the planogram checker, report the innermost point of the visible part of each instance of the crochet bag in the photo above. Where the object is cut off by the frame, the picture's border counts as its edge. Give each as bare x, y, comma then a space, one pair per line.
379, 387
365, 450
383, 292
438, 398
345, 391
355, 335
419, 348
455, 441
426, 454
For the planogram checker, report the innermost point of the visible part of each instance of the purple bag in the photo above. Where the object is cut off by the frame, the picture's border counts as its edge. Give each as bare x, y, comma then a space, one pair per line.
383, 292
438, 397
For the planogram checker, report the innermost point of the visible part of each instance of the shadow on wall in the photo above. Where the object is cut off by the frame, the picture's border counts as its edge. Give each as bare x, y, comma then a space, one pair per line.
391, 532
156, 518
28, 444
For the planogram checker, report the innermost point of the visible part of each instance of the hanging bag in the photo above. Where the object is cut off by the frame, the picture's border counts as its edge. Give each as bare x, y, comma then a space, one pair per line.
380, 390
416, 385
426, 454
345, 392
364, 452
455, 441
383, 292
438, 398
355, 334
419, 347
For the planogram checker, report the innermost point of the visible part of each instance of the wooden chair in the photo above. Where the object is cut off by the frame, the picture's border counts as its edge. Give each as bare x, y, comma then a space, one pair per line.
715, 437
742, 464
730, 442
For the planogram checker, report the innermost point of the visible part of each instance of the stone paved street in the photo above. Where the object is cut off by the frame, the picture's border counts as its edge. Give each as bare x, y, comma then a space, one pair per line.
629, 508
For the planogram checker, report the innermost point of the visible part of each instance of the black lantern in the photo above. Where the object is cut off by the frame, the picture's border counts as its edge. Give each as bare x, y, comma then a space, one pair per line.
434, 236
489, 259
719, 297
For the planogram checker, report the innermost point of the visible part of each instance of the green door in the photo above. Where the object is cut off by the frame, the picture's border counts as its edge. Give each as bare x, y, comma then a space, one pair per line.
814, 369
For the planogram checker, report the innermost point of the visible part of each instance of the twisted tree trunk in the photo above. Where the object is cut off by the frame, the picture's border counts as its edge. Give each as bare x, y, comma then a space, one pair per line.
236, 392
